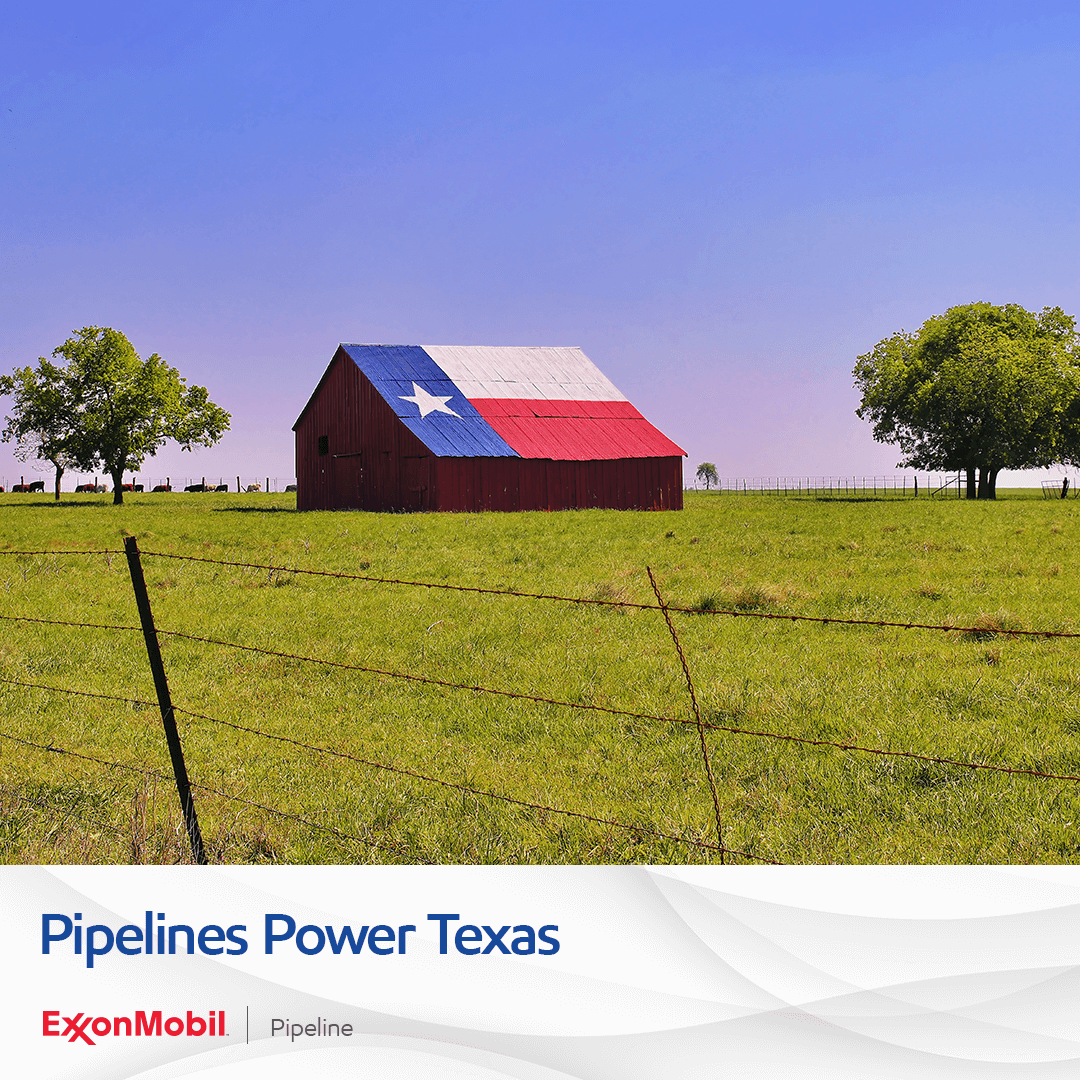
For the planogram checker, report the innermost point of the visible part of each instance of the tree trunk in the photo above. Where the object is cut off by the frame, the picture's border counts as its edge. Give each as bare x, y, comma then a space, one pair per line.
988, 482
970, 476
59, 473
118, 488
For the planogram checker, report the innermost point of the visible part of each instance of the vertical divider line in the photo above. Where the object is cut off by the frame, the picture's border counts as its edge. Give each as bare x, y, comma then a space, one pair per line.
161, 685
697, 710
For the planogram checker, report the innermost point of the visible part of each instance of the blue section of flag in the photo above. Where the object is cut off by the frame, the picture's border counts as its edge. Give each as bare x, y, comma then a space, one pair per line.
392, 370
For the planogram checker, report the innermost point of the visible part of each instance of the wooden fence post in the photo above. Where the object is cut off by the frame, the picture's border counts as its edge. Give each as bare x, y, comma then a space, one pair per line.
161, 685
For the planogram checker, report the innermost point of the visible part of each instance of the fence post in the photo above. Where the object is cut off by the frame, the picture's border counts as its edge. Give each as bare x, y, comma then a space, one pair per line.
161, 685
697, 710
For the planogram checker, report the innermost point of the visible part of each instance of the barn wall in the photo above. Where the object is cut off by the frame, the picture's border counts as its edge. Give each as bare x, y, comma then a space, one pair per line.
537, 484
373, 462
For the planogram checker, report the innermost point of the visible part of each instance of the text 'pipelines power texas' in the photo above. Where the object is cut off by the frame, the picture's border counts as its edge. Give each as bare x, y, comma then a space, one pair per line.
66, 934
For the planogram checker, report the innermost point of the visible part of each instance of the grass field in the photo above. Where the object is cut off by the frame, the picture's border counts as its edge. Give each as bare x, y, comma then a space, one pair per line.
977, 698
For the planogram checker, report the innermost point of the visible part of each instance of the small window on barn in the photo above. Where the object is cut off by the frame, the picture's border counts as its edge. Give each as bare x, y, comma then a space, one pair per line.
324, 445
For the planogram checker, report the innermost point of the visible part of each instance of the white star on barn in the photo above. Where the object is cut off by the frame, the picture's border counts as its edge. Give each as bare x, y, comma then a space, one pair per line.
426, 402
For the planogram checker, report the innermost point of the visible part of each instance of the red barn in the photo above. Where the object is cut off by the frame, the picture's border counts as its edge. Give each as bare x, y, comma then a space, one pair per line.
405, 427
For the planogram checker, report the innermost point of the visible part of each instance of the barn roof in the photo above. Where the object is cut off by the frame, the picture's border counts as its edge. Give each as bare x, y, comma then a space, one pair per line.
501, 401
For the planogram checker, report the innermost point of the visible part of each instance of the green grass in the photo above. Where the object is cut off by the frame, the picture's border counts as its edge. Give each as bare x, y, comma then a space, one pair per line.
982, 696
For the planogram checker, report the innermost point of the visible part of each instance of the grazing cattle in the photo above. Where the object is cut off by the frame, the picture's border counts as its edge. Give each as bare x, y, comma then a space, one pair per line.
195, 487
254, 487
222, 487
84, 487
163, 487
20, 487
37, 485
290, 487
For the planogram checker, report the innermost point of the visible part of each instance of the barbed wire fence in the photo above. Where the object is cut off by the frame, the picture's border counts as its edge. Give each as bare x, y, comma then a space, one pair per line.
186, 787
858, 487
895, 485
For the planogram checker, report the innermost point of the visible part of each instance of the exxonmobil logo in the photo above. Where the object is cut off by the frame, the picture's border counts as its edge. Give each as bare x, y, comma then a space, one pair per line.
81, 1026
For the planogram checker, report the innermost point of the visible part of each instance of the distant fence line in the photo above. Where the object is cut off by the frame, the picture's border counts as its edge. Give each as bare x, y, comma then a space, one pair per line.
939, 485
933, 485
73, 482
896, 486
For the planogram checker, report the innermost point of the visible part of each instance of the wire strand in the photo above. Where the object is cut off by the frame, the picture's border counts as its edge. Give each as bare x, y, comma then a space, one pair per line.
63, 622
615, 603
633, 605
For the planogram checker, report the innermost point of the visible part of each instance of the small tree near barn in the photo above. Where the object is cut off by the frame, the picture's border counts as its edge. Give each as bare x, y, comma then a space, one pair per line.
977, 389
45, 423
118, 409
707, 474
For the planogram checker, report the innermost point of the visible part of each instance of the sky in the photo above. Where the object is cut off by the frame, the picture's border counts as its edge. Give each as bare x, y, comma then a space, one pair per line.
723, 204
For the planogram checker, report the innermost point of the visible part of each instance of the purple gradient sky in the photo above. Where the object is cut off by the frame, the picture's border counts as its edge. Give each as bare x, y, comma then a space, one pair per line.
722, 204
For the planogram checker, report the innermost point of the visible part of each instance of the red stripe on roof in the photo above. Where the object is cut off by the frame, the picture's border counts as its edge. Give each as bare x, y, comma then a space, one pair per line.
586, 409
530, 407
575, 435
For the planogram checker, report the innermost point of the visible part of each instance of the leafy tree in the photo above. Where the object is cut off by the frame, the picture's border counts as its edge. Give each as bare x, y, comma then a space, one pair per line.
707, 474
44, 424
121, 409
977, 389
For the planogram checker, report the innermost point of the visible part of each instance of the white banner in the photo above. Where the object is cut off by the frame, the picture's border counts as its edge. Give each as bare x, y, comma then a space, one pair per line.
605, 973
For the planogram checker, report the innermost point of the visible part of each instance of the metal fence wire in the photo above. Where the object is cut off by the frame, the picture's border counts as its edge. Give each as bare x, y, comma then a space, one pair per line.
842, 487
187, 787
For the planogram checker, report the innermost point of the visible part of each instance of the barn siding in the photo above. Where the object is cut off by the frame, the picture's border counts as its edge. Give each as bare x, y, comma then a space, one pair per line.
375, 463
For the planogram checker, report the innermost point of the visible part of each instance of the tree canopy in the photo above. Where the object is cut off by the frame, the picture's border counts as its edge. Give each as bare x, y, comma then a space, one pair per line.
44, 425
977, 389
707, 474
111, 409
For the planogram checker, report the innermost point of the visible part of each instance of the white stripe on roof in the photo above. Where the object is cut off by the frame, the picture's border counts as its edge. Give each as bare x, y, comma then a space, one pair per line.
526, 372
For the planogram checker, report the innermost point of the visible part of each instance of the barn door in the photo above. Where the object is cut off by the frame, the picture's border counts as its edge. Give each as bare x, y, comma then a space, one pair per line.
346, 478
417, 477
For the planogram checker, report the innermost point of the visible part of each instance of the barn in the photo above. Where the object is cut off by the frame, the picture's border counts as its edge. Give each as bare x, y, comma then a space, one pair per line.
409, 427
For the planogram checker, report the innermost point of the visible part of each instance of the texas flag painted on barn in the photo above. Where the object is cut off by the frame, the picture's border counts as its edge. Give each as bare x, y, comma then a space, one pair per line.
495, 401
